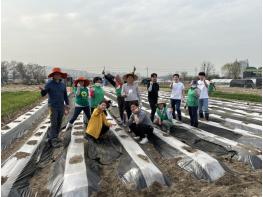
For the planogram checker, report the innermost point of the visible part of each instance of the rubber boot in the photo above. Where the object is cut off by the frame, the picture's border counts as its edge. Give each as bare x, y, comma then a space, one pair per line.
207, 116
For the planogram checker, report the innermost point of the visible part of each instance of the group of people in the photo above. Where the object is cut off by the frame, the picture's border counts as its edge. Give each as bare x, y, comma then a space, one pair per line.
90, 99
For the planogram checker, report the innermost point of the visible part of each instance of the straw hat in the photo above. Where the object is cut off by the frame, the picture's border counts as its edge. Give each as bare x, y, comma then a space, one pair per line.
86, 81
161, 102
57, 70
135, 77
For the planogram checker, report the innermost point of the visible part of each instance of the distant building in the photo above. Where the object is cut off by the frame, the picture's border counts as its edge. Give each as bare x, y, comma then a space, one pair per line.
252, 72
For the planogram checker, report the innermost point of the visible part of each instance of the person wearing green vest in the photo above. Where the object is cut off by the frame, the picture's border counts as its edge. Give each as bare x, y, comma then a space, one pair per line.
117, 83
211, 87
163, 116
96, 93
192, 103
81, 93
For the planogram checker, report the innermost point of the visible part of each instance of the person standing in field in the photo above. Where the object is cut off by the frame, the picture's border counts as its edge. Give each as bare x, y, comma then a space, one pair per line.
192, 103
57, 98
177, 96
96, 95
202, 85
153, 89
211, 87
117, 83
130, 92
81, 100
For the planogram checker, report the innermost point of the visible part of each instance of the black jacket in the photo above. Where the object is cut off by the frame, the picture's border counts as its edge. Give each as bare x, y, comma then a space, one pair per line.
153, 95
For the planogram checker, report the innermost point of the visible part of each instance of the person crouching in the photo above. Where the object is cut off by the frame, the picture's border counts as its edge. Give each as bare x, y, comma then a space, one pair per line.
163, 116
139, 123
98, 124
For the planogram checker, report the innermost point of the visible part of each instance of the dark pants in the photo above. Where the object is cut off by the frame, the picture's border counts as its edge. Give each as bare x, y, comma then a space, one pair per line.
104, 130
127, 105
153, 105
141, 129
176, 104
77, 111
56, 116
193, 116
120, 100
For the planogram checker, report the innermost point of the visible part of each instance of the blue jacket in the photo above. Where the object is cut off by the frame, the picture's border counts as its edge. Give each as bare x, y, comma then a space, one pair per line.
57, 94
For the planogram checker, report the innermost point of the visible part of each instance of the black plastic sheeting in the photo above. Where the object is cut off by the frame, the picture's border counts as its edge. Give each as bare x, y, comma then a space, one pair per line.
42, 155
21, 185
196, 142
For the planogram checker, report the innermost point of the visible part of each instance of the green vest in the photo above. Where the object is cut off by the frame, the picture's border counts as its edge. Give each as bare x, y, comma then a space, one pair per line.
192, 98
98, 96
83, 98
118, 91
211, 88
163, 114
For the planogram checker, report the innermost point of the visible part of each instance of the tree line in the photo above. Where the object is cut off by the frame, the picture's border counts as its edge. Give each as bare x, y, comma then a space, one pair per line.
18, 72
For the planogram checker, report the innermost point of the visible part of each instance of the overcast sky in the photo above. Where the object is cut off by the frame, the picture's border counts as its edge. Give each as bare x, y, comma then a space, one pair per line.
165, 35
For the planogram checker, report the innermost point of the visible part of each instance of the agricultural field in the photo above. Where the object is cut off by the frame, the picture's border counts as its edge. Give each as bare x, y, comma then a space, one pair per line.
220, 158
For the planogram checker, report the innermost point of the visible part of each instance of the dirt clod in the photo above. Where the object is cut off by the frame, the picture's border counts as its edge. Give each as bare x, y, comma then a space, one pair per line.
189, 149
76, 159
6, 127
78, 133
32, 142
21, 155
17, 121
3, 179
43, 127
38, 133
79, 127
28, 114
118, 129
166, 135
144, 157
123, 136
78, 123
80, 140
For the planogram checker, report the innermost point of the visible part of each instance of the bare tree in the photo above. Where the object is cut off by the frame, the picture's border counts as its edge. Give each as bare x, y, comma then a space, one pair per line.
208, 68
232, 70
183, 75
4, 72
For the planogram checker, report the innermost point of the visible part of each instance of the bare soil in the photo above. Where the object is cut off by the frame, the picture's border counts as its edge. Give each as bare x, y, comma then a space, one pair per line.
21, 155
38, 133
76, 159
79, 140
3, 179
242, 181
78, 133
19, 87
32, 142
79, 128
17, 143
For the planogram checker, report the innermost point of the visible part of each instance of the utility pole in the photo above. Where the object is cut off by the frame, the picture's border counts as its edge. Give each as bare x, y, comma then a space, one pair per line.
147, 71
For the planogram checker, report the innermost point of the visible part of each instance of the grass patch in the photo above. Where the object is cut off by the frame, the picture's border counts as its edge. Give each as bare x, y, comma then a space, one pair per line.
12, 102
237, 96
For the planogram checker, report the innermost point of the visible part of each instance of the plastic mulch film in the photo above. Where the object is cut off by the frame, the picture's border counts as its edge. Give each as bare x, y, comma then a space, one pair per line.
219, 148
19, 130
20, 186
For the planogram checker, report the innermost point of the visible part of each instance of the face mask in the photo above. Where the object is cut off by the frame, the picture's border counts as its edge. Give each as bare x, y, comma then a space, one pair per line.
98, 84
